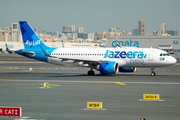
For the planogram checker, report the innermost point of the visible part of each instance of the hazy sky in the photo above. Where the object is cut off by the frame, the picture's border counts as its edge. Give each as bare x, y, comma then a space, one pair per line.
92, 15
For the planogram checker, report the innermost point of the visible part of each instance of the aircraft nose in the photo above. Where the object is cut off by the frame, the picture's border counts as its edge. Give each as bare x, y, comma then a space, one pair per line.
173, 60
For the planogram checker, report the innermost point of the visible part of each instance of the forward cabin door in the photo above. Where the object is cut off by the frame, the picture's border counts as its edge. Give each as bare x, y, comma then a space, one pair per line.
151, 55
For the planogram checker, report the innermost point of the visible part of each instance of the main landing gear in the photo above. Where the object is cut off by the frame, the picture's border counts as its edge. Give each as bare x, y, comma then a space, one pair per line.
91, 72
152, 72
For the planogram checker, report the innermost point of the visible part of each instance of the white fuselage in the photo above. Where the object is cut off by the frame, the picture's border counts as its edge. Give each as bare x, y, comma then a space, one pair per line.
125, 57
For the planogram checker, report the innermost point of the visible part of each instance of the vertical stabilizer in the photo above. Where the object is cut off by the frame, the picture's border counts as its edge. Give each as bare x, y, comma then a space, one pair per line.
30, 38
7, 49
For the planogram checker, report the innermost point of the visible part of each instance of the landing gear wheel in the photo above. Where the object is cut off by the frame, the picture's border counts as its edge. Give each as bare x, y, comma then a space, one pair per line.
90, 73
153, 74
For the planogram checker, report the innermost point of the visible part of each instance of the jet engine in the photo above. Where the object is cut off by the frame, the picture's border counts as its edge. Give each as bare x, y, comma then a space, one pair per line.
107, 67
127, 69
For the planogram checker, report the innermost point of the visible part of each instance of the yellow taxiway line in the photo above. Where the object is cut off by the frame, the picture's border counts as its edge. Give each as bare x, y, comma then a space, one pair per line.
120, 83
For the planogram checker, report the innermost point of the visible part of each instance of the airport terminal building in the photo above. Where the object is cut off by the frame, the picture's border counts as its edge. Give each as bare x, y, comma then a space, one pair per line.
170, 44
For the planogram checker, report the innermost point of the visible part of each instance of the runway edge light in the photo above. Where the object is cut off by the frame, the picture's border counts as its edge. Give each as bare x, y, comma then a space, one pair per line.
94, 105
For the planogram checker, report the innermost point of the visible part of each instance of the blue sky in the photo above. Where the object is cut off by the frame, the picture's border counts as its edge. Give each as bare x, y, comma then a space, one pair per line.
93, 15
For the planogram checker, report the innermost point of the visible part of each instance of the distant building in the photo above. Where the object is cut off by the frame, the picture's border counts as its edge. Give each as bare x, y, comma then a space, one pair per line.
102, 35
68, 29
71, 28
90, 36
135, 32
53, 33
114, 30
65, 29
39, 31
169, 43
86, 36
141, 28
96, 34
163, 28
74, 35
10, 35
157, 33
80, 35
173, 32
117, 34
110, 33
80, 30
148, 34
15, 26
61, 34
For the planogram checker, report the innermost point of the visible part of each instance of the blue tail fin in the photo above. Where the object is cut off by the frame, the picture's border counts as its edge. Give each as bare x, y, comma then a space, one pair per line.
63, 45
7, 49
30, 39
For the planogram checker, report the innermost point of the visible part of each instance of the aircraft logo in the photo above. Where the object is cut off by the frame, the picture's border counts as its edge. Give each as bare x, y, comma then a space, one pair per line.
32, 43
123, 54
129, 43
175, 42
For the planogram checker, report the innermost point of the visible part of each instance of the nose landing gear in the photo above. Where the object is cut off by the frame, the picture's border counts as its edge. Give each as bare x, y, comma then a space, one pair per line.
152, 72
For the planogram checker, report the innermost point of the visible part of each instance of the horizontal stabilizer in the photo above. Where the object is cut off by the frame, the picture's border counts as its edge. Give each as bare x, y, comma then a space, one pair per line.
27, 53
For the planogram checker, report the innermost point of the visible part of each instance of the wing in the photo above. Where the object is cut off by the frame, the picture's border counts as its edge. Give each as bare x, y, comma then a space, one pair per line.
85, 60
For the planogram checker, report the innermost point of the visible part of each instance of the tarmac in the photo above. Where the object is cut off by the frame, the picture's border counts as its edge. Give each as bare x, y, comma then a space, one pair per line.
71, 88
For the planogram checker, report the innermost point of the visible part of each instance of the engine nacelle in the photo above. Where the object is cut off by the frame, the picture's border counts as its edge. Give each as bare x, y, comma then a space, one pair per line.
108, 67
127, 69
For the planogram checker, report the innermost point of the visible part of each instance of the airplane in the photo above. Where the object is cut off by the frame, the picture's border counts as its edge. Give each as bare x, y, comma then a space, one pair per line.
105, 60
8, 50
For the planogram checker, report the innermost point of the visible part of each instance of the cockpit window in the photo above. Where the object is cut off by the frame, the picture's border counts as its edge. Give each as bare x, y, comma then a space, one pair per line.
164, 54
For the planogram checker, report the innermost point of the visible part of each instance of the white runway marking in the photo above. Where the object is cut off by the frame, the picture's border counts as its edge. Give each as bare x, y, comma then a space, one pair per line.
151, 100
160, 83
94, 109
44, 87
67, 81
